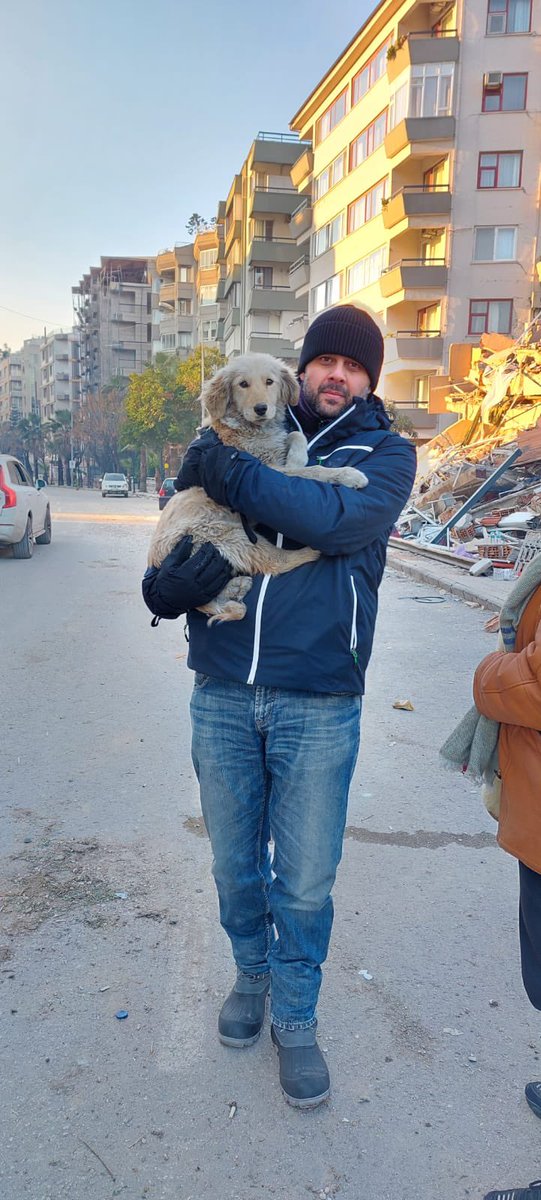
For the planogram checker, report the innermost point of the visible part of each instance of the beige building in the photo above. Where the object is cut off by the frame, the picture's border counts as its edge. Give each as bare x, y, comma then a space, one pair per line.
113, 312
60, 374
208, 255
176, 300
32, 389
260, 244
423, 176
11, 388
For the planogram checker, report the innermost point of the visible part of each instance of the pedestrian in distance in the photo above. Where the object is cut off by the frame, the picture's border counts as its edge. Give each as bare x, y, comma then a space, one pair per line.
499, 740
277, 696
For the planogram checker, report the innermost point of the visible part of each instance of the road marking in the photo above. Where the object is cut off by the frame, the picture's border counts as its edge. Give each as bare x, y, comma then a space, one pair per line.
104, 518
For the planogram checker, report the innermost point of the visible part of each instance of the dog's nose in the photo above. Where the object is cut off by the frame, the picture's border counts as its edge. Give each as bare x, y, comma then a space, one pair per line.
260, 409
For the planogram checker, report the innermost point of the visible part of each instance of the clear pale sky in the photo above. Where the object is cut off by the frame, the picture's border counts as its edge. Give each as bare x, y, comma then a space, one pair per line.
119, 118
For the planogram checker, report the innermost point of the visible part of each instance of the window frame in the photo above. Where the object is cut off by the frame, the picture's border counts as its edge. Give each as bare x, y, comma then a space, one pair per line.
322, 137
364, 196
371, 126
325, 229
495, 228
325, 283
492, 91
497, 186
492, 300
319, 195
365, 258
506, 32
382, 49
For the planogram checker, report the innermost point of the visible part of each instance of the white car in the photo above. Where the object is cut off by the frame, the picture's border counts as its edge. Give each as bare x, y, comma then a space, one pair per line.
25, 514
114, 484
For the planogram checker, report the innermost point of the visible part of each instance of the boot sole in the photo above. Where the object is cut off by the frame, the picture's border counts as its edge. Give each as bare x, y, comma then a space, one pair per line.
308, 1102
239, 1043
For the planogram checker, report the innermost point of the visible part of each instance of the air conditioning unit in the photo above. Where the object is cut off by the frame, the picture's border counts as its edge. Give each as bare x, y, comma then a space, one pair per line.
493, 79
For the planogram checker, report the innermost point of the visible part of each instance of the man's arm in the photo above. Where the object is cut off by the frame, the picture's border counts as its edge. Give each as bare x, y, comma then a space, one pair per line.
185, 580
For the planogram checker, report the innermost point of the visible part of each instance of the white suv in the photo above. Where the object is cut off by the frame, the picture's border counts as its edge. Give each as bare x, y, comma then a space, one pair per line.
114, 484
25, 515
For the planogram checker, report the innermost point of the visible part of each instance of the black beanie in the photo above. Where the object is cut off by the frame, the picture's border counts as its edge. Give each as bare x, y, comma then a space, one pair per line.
346, 330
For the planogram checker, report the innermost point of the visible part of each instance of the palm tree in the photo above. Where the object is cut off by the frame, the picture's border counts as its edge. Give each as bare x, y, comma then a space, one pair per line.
30, 432
60, 436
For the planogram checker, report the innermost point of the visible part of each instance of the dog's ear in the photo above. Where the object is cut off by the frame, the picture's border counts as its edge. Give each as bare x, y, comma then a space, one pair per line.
216, 395
288, 385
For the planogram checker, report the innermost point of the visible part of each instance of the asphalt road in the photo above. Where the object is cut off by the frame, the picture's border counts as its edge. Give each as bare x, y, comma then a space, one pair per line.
108, 905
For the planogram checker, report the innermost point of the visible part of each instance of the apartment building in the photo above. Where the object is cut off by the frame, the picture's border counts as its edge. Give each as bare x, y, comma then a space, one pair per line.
424, 176
209, 256
60, 373
176, 300
32, 390
260, 244
113, 313
11, 388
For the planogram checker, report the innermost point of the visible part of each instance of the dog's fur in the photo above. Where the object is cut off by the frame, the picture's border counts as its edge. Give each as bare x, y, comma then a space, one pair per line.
230, 402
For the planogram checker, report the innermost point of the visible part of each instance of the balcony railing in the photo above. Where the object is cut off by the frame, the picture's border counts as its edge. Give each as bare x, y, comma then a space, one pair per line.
414, 262
280, 137
432, 33
271, 287
274, 241
303, 261
417, 333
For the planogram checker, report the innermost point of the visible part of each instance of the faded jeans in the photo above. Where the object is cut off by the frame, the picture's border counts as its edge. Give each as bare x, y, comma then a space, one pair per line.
275, 764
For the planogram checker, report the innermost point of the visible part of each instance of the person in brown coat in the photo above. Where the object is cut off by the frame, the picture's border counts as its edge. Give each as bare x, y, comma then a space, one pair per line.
507, 688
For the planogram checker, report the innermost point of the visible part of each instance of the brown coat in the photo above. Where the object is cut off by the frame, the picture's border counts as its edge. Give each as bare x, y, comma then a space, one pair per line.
507, 688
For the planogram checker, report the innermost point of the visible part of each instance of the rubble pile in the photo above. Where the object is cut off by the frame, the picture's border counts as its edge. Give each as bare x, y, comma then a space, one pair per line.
478, 487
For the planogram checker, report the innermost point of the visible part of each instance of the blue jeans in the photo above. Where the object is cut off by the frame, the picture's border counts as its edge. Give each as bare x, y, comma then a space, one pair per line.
275, 764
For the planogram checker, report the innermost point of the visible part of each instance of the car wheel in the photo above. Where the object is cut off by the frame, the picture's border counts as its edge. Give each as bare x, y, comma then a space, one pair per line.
25, 548
44, 538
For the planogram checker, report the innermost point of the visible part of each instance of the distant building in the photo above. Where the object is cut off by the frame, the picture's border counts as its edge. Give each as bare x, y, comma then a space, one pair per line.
176, 301
32, 389
11, 388
208, 255
60, 374
113, 313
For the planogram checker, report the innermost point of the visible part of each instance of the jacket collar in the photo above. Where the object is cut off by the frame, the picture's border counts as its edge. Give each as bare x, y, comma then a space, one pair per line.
368, 414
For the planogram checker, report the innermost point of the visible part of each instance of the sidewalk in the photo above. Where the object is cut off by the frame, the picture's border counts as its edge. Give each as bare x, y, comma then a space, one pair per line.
484, 590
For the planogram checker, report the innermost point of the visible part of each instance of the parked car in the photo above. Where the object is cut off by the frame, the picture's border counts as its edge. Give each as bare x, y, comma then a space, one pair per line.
114, 484
25, 514
166, 491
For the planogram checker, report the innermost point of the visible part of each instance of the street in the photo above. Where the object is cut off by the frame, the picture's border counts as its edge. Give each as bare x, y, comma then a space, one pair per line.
108, 906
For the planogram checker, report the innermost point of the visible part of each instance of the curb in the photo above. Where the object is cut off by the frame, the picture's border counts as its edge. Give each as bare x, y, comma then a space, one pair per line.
459, 587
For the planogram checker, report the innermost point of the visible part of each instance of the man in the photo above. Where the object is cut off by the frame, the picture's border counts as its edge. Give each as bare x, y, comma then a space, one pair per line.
277, 696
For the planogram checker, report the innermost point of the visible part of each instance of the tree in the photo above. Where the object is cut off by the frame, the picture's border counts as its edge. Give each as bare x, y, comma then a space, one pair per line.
401, 423
196, 224
98, 426
30, 431
59, 434
189, 370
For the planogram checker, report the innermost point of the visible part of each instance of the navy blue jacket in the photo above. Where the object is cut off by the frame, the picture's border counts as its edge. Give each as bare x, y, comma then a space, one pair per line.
312, 628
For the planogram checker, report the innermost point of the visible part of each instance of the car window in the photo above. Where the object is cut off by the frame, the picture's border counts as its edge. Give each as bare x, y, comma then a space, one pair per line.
18, 475
112, 475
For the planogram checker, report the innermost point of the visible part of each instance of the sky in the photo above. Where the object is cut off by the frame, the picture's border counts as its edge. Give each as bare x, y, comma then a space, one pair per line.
120, 118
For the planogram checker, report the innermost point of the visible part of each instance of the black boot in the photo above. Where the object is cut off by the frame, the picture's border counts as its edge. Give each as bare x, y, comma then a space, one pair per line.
242, 1014
304, 1077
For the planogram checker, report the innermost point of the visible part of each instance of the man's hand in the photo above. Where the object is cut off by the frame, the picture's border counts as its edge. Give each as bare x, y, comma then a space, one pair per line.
185, 581
206, 464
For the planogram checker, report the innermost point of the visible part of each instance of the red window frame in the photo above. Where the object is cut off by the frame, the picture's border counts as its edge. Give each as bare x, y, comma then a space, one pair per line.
493, 91
319, 138
368, 129
368, 67
493, 300
367, 196
496, 186
505, 32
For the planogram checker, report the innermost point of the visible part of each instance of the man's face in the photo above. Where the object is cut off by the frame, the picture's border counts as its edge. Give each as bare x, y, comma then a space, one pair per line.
331, 381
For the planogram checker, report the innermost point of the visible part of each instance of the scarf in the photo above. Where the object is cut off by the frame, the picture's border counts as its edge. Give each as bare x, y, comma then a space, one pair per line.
472, 747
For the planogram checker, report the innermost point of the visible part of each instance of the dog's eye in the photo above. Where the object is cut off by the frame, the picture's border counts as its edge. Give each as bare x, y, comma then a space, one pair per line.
243, 383
269, 382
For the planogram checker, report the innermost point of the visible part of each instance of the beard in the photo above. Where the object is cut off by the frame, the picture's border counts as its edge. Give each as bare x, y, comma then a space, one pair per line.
320, 402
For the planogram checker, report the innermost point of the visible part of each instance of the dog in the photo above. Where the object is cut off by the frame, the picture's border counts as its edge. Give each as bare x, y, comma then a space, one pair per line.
245, 404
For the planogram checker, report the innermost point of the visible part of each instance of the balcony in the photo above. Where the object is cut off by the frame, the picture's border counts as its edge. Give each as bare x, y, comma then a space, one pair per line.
167, 295
273, 149
420, 136
231, 321
272, 343
299, 272
233, 276
273, 202
301, 171
414, 279
165, 261
422, 47
267, 251
274, 299
415, 351
232, 234
63, 375
418, 204
301, 218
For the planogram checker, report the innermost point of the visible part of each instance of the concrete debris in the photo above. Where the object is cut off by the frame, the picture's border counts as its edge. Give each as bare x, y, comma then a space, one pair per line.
478, 487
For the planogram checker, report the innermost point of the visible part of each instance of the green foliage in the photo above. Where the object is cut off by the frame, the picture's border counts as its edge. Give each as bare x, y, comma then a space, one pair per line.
162, 404
401, 423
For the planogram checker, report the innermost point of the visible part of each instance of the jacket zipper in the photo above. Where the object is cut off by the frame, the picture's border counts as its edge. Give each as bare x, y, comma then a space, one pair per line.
258, 618
353, 637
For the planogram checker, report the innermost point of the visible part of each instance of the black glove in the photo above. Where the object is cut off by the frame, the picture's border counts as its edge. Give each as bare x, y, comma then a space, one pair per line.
207, 464
184, 580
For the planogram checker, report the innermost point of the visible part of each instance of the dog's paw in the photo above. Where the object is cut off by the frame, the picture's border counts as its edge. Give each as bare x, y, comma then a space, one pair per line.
296, 450
351, 477
231, 611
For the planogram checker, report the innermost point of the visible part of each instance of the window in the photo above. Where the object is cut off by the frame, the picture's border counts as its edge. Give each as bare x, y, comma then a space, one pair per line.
168, 341
500, 170
367, 206
509, 16
334, 114
326, 237
185, 308
495, 243
262, 276
429, 319
207, 259
207, 294
366, 271
184, 274
431, 93
331, 175
504, 93
421, 391
490, 316
263, 230
369, 140
184, 340
326, 293
437, 177
371, 72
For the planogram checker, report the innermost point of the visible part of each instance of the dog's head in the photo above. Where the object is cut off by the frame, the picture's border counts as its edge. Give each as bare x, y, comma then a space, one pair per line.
253, 387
